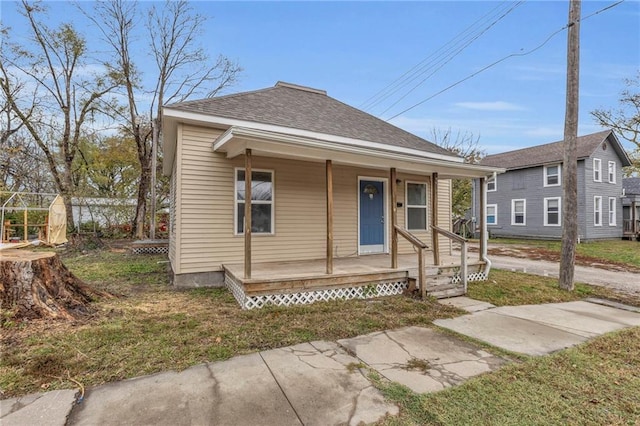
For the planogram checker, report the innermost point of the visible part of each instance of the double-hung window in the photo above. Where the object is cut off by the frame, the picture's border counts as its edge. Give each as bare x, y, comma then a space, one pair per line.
612, 172
597, 210
612, 211
262, 217
597, 170
552, 175
492, 184
519, 212
492, 214
416, 206
552, 211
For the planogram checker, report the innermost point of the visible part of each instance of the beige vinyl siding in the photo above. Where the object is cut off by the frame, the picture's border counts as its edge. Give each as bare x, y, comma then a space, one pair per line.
172, 216
205, 209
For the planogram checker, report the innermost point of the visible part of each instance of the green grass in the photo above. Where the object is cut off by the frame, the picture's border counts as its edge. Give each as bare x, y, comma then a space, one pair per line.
505, 288
149, 327
623, 252
592, 384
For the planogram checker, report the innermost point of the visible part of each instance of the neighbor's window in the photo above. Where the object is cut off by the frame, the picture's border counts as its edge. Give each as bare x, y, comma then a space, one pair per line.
552, 175
492, 214
597, 170
612, 211
597, 210
261, 201
518, 212
552, 211
491, 184
416, 206
612, 172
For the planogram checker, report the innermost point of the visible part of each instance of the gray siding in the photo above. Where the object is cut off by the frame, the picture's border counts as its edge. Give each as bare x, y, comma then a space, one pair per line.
528, 184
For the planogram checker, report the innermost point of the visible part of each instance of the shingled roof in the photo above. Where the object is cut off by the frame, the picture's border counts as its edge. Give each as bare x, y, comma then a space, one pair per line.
548, 153
631, 186
299, 107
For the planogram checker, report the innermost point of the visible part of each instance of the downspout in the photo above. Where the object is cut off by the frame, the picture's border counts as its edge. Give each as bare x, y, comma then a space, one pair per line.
483, 232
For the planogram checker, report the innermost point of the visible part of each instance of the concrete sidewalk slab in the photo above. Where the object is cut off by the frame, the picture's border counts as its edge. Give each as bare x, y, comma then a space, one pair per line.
466, 303
44, 409
511, 333
624, 317
422, 359
324, 385
555, 316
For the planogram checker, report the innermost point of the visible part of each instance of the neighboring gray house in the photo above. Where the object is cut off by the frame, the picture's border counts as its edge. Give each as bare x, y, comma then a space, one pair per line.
526, 201
631, 207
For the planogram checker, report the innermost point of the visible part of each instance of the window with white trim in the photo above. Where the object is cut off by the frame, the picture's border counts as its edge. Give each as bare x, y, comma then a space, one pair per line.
519, 212
597, 210
492, 214
416, 200
597, 170
552, 175
612, 172
492, 184
552, 211
612, 211
262, 217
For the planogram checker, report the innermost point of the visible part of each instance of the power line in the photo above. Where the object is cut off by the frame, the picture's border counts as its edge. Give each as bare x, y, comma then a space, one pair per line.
452, 57
440, 55
504, 59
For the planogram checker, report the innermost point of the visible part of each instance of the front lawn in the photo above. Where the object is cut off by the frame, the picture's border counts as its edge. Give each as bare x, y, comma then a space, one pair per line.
149, 327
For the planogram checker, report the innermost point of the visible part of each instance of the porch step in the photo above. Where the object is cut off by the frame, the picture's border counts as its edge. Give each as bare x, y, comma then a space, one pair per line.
439, 290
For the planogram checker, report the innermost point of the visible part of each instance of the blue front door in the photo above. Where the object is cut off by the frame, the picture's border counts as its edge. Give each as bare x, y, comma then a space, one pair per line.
371, 216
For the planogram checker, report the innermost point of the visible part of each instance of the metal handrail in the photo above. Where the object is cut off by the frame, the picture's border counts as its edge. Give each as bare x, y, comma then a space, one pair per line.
421, 247
463, 251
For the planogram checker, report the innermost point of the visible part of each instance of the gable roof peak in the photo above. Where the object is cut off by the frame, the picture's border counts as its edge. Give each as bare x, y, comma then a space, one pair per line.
299, 87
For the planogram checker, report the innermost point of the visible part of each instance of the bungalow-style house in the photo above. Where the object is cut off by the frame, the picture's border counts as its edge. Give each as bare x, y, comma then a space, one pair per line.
286, 195
526, 201
631, 208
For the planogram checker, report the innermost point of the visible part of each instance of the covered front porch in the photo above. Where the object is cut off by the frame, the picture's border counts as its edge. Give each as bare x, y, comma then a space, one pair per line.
357, 277
255, 284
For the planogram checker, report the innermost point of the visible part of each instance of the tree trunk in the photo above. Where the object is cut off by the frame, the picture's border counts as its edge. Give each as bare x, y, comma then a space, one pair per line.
38, 285
141, 207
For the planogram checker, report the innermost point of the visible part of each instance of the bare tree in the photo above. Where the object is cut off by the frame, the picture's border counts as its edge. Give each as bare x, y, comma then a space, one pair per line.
625, 120
65, 97
182, 69
570, 161
467, 146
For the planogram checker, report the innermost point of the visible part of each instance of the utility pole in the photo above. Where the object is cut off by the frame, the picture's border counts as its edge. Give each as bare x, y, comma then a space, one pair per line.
570, 163
154, 162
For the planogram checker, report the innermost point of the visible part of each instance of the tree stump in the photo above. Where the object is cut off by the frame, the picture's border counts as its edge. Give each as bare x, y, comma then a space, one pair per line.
38, 285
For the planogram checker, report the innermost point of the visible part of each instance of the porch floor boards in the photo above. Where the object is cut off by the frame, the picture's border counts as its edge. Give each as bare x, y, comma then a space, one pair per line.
298, 269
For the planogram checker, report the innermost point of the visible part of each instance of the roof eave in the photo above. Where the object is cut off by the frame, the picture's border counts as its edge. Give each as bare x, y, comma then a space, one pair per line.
236, 140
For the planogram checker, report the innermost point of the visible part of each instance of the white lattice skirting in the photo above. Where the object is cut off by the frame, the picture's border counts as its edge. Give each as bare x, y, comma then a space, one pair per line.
474, 276
151, 250
386, 288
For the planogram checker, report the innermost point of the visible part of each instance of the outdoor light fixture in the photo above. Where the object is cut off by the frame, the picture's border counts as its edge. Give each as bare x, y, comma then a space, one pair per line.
371, 190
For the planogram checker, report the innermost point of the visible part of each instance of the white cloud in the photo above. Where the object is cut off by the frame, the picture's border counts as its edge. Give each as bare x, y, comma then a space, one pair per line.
490, 106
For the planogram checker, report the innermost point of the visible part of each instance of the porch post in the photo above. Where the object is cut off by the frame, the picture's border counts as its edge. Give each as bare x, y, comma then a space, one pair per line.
394, 218
247, 213
329, 170
434, 218
483, 217
634, 218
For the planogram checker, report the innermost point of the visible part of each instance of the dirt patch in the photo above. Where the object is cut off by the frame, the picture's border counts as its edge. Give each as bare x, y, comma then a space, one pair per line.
539, 253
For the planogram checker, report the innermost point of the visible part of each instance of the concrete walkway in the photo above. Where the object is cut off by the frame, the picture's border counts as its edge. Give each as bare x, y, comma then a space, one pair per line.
325, 383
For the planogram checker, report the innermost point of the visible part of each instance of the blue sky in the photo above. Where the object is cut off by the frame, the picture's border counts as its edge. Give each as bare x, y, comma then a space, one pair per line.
355, 49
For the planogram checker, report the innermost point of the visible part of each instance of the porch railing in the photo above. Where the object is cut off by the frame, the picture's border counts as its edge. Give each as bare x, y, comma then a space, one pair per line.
415, 241
629, 228
463, 251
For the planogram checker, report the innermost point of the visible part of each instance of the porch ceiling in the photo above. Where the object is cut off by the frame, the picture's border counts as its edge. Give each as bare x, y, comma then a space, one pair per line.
236, 140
